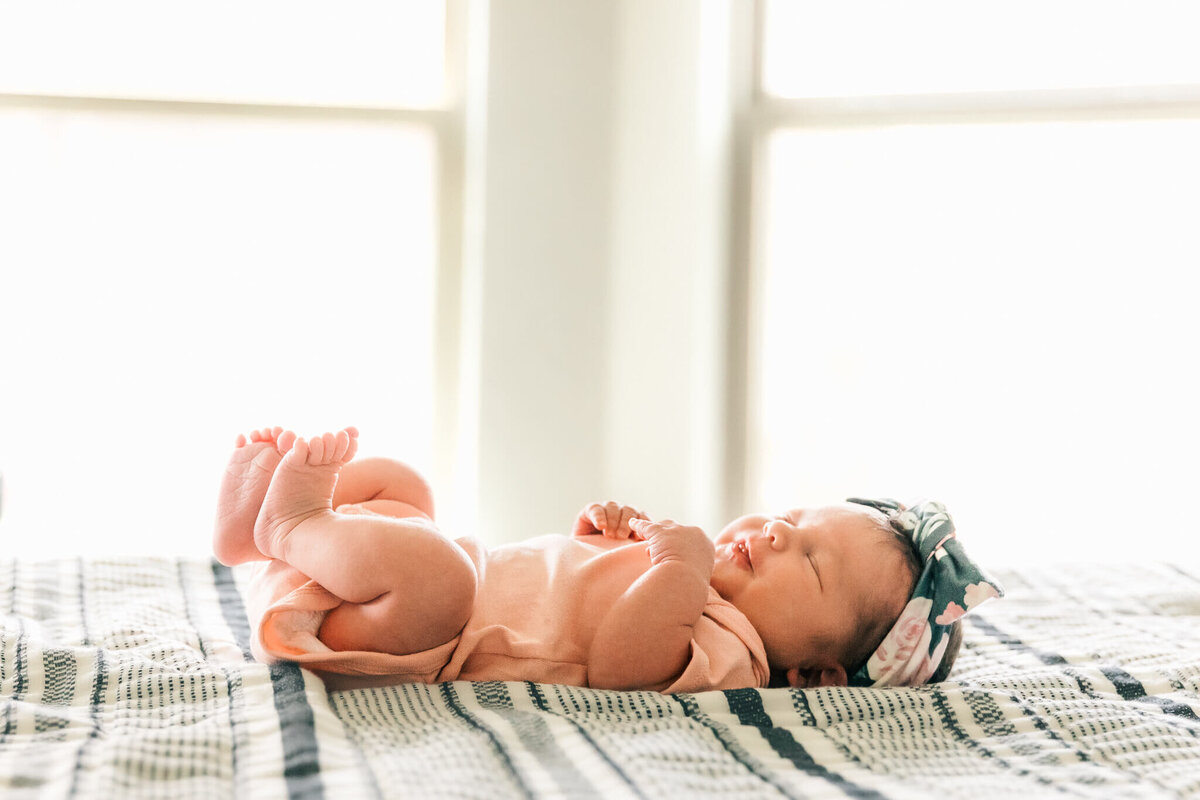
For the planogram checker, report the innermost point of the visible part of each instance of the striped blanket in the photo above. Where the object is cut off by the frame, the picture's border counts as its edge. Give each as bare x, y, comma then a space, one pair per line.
132, 678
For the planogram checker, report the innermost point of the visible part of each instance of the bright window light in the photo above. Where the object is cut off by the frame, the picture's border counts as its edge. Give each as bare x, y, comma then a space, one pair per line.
818, 48
172, 279
302, 52
1000, 316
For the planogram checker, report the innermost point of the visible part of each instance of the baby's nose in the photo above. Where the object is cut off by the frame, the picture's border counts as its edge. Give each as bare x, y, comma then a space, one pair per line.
778, 531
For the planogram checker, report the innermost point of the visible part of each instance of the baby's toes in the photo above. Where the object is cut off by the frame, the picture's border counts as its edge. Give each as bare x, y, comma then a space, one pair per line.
331, 441
341, 444
285, 440
316, 451
298, 453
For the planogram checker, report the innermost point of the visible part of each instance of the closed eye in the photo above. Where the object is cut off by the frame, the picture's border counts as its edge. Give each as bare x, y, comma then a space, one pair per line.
812, 562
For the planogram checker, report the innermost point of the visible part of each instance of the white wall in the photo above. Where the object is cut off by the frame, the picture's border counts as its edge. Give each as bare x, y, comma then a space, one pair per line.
604, 204
544, 253
668, 317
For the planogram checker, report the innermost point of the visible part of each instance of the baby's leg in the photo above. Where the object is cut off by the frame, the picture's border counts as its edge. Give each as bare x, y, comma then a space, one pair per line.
407, 588
384, 486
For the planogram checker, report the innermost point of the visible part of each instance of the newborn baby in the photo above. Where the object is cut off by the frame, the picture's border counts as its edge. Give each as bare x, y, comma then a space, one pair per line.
357, 582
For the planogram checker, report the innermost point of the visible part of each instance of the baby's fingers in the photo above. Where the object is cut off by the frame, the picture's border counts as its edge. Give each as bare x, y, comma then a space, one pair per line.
624, 528
612, 518
595, 512
644, 528
591, 520
584, 524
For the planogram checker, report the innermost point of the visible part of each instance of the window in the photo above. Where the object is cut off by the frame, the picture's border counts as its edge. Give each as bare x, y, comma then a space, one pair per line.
243, 234
976, 228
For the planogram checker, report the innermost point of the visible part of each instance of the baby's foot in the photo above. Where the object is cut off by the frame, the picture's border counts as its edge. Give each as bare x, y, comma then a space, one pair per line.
302, 487
243, 488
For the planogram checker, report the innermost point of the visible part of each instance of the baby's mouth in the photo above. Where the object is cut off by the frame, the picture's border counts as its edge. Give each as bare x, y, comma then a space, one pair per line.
739, 552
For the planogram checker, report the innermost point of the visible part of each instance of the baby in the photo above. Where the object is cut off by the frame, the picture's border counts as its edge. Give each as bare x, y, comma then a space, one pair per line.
357, 582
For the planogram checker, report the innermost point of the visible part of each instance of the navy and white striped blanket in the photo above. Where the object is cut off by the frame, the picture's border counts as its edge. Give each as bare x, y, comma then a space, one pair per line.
132, 678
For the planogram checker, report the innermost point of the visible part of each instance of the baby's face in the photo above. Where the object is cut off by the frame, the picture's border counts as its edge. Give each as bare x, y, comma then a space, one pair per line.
803, 577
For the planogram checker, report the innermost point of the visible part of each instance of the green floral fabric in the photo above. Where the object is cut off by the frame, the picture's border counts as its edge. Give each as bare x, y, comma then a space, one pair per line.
950, 585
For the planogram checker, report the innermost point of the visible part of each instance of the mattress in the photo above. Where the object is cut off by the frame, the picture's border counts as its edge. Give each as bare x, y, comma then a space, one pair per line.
133, 678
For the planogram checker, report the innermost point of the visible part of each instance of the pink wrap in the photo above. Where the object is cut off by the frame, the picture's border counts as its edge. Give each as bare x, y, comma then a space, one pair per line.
537, 607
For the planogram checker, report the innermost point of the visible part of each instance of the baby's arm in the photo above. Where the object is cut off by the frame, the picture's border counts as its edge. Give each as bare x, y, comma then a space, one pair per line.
644, 641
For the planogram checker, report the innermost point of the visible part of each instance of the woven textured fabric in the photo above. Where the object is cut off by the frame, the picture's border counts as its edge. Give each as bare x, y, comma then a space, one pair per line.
131, 678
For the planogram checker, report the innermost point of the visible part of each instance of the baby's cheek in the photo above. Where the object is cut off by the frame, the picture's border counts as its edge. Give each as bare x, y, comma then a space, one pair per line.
740, 527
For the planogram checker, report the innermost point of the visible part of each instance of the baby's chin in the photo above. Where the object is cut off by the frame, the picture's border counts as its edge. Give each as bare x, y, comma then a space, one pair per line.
725, 577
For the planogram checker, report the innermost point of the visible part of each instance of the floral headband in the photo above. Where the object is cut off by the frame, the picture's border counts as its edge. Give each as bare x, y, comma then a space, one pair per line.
950, 585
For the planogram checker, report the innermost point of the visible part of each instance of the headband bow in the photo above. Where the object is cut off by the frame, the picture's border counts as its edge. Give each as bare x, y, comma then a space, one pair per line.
950, 584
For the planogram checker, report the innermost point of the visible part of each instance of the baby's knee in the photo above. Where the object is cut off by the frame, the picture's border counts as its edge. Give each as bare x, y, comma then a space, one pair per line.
432, 599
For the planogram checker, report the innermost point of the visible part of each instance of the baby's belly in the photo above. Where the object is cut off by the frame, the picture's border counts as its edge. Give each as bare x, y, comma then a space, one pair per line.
606, 577
545, 599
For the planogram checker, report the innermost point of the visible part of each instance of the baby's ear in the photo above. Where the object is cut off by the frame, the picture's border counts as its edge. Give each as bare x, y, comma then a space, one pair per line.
832, 674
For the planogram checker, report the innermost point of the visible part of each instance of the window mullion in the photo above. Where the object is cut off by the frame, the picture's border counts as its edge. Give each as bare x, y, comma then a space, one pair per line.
424, 116
1148, 102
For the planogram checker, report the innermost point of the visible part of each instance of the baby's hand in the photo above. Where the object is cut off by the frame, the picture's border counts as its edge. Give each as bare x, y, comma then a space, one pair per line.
609, 519
670, 541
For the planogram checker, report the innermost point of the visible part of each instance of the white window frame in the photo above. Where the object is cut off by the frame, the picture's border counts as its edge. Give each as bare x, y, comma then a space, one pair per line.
445, 122
761, 115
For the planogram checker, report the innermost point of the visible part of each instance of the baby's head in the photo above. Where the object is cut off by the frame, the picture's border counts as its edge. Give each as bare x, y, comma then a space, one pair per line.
835, 592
